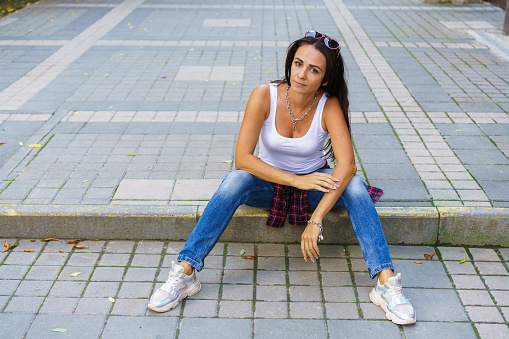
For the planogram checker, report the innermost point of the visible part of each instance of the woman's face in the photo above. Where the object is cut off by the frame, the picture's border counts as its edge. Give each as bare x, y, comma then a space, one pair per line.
308, 69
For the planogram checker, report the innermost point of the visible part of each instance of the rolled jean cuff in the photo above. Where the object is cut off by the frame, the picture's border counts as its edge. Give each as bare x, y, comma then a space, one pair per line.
378, 269
191, 262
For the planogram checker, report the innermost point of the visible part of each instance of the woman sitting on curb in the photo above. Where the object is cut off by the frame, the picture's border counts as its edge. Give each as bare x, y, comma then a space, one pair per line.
292, 119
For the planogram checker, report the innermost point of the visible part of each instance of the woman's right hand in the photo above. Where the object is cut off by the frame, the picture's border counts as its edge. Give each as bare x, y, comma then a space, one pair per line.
318, 181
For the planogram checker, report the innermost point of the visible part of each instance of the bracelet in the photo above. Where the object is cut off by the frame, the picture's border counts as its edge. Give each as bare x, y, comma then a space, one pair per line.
320, 236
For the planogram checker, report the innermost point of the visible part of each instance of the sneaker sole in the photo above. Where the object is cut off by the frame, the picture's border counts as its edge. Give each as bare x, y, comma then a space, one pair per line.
379, 301
193, 289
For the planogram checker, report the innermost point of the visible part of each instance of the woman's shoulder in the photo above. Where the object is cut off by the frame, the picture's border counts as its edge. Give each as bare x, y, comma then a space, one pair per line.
332, 103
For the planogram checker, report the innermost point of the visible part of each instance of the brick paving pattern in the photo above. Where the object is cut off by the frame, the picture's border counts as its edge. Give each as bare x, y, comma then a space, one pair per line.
277, 291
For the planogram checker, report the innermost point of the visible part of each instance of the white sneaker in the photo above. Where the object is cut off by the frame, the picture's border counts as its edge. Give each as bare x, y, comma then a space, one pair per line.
389, 297
177, 287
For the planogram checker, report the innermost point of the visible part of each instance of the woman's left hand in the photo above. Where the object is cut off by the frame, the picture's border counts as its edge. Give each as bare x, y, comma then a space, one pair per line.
309, 241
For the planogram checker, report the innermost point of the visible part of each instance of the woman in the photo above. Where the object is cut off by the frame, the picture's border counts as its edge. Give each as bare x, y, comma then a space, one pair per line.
292, 119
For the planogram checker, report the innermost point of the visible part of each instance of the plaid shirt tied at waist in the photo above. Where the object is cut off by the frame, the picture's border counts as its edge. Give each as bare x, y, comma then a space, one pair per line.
288, 200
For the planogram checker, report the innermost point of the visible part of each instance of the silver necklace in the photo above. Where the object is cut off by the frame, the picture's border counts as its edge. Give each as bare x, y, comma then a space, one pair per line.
294, 121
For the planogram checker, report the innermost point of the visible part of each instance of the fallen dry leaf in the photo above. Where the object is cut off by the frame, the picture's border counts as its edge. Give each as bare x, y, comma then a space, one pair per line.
51, 239
1, 143
20, 143
28, 250
429, 256
74, 241
418, 262
58, 330
75, 274
7, 246
61, 251
35, 145
14, 246
79, 246
227, 161
111, 299
249, 257
86, 180
32, 240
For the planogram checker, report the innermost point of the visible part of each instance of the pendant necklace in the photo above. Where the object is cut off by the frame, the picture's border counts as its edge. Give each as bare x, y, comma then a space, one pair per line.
294, 121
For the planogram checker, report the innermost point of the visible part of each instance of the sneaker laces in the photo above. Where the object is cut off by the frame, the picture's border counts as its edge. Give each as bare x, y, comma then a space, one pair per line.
173, 279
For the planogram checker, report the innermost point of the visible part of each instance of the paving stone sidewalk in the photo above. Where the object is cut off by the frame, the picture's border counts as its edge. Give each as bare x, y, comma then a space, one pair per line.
138, 103
275, 295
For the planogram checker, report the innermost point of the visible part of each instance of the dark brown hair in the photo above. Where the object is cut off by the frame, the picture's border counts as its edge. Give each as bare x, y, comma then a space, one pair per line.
334, 79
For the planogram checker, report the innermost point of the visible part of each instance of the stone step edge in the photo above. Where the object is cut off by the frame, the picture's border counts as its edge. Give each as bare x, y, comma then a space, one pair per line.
473, 226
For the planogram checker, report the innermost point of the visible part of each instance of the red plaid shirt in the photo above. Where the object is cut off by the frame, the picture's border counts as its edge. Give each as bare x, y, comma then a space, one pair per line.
288, 200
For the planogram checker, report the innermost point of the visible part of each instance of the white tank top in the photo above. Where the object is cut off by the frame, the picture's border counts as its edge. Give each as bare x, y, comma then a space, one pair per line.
294, 155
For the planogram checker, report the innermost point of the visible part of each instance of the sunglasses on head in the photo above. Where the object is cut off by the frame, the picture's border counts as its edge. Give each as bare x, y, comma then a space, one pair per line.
327, 40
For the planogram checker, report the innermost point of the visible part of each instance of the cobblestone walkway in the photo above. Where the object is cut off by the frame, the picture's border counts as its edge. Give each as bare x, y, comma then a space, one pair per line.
275, 295
125, 95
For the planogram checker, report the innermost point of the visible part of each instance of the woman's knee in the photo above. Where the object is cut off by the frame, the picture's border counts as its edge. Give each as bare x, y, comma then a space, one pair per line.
356, 187
236, 180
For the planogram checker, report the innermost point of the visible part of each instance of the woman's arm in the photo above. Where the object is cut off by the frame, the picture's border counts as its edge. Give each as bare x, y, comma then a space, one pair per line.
257, 110
345, 169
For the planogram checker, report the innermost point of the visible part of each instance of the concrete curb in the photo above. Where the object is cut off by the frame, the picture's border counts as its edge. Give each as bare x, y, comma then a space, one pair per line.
402, 225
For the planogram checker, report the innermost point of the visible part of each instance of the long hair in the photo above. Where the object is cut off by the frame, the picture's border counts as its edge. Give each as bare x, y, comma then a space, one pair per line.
334, 79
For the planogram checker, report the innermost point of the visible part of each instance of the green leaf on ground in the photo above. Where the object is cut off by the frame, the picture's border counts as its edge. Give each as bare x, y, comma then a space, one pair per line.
59, 330
462, 261
243, 251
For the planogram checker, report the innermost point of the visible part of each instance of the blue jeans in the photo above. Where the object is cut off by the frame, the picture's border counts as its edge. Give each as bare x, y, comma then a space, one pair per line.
240, 187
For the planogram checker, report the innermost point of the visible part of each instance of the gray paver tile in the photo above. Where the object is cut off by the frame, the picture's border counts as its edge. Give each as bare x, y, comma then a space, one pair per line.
410, 252
215, 328
43, 273
129, 307
33, 288
101, 289
303, 278
24, 304
18, 324
271, 278
312, 293
93, 306
7, 287
491, 268
149, 247
200, 308
86, 326
475, 297
341, 311
298, 264
424, 300
492, 331
175, 247
502, 297
119, 246
505, 253
209, 291
21, 258
211, 276
290, 328
271, 263
372, 311
67, 289
264, 250
484, 254
422, 330
467, 282
51, 259
59, 305
66, 272
484, 314
497, 282
454, 267
140, 274
107, 274
238, 263
135, 290
336, 279
140, 327
271, 310
453, 253
146, 260
306, 310
235, 309
109, 259
83, 259
238, 277
330, 264
338, 294
13, 271
362, 329
271, 293
238, 292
